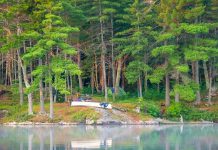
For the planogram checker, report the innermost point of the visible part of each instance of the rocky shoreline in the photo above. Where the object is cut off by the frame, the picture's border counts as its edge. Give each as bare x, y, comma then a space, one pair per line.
88, 122
100, 122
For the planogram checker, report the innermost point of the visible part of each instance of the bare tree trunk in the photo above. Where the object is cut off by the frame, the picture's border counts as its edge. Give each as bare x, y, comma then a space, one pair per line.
103, 52
118, 76
92, 79
20, 81
193, 71
51, 98
79, 64
41, 97
146, 82
206, 75
2, 69
96, 75
177, 82
210, 83
140, 86
167, 92
112, 56
198, 96
30, 101
51, 114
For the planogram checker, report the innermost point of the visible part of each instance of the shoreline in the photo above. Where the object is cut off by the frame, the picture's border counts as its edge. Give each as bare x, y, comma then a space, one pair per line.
27, 123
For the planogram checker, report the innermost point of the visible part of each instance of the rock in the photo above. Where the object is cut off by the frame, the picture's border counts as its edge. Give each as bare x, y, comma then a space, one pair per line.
151, 122
25, 123
99, 122
137, 109
12, 123
90, 122
63, 123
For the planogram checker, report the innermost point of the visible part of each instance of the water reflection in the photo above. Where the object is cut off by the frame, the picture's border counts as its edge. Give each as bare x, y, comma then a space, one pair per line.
187, 137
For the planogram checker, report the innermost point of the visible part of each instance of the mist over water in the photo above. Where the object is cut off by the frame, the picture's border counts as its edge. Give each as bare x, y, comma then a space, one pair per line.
162, 137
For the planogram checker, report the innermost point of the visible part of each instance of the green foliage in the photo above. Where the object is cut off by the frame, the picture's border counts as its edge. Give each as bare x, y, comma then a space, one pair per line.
194, 28
164, 50
186, 92
150, 107
189, 113
120, 95
157, 75
177, 109
153, 94
183, 68
83, 115
134, 70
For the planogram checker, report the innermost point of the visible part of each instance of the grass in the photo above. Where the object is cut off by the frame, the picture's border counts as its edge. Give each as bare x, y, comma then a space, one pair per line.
62, 112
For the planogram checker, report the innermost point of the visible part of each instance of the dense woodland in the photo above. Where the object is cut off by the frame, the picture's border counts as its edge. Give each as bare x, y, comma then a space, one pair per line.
109, 47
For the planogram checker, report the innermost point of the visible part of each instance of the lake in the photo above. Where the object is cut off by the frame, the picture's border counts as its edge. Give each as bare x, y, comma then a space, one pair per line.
160, 137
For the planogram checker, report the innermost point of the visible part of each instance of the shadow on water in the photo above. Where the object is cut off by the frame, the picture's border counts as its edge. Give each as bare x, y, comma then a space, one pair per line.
163, 137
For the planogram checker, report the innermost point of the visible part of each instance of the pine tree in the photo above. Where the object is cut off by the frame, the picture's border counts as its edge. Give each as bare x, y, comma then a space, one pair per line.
52, 47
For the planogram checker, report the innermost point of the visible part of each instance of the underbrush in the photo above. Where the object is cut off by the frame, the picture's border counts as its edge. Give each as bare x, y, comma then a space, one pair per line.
189, 113
83, 114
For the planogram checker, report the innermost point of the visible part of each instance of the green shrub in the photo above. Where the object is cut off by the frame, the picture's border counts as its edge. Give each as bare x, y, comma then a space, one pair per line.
189, 113
153, 94
83, 115
150, 107
177, 109
121, 94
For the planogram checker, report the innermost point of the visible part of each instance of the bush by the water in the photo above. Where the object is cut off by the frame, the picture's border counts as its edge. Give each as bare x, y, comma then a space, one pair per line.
189, 113
149, 107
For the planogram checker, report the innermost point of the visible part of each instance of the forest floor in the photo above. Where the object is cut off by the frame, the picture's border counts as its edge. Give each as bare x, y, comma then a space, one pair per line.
123, 112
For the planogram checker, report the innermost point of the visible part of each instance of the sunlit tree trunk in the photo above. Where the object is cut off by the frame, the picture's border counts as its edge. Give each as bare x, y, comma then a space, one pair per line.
41, 97
118, 76
140, 86
206, 75
177, 82
20, 81
103, 52
79, 64
198, 96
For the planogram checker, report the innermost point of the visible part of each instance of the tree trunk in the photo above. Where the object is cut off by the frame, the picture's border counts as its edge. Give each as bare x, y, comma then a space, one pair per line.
103, 52
193, 71
140, 86
117, 83
92, 79
41, 97
96, 75
51, 99
112, 51
167, 93
20, 81
177, 82
210, 83
51, 114
30, 101
206, 75
198, 96
79, 64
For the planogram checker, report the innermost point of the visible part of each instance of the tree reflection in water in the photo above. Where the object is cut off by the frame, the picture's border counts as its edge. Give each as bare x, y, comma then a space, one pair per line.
163, 137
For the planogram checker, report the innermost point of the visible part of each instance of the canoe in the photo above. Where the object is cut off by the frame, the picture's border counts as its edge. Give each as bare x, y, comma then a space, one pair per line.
92, 104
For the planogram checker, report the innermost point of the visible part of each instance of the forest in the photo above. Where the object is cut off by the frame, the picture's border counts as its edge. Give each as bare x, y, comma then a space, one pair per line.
158, 53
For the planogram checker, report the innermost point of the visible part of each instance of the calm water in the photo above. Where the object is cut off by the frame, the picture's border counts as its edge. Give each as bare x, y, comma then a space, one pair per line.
187, 137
